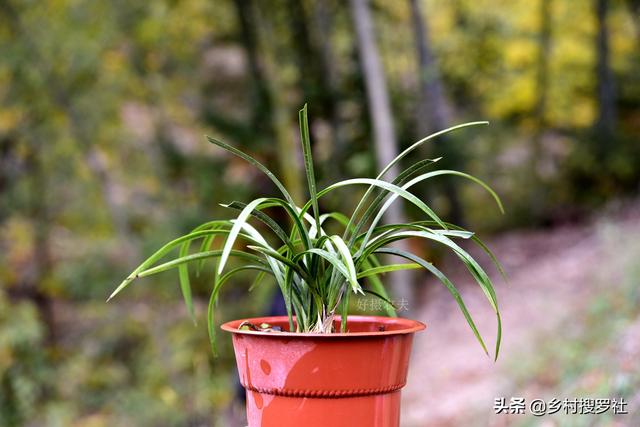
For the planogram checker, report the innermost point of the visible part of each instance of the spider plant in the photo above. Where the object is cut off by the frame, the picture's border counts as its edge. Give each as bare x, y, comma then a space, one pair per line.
317, 272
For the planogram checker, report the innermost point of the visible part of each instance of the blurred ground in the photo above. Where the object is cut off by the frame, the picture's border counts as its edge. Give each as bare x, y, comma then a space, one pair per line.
571, 330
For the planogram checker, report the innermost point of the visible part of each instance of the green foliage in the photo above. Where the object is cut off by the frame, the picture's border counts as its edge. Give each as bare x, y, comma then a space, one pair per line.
22, 370
314, 270
121, 365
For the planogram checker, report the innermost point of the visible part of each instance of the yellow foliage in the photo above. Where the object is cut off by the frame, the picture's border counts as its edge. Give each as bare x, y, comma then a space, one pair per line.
10, 118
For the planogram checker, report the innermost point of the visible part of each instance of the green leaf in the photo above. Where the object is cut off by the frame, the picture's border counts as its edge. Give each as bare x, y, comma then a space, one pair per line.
265, 219
308, 162
406, 152
474, 268
257, 281
336, 262
228, 275
205, 246
211, 327
185, 284
255, 163
445, 281
376, 285
400, 180
195, 257
275, 255
382, 297
386, 269
472, 265
390, 188
345, 254
480, 244
472, 178
344, 311
422, 141
164, 250
421, 178
237, 226
293, 213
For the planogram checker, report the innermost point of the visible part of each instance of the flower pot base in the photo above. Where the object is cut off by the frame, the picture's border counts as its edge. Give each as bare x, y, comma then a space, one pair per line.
344, 379
379, 410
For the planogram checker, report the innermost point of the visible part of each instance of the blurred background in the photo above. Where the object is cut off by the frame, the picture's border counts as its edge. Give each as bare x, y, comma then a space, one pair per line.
103, 110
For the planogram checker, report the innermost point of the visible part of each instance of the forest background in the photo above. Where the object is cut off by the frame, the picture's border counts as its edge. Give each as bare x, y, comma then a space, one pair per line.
103, 110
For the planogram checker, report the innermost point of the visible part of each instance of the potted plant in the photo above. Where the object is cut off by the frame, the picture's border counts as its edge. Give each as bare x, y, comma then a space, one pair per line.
320, 366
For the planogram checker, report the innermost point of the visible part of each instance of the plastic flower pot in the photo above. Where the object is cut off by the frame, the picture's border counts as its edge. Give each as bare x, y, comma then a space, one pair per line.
318, 380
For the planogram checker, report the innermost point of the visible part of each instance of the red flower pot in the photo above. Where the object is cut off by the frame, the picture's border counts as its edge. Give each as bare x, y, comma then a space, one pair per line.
348, 379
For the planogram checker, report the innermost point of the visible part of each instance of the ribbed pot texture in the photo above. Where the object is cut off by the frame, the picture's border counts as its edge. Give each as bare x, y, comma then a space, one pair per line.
350, 379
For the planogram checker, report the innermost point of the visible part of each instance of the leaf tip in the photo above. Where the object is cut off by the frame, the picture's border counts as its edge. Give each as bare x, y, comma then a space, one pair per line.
114, 293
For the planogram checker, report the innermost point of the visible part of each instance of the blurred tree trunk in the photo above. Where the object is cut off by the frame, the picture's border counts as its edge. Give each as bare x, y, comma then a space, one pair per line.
29, 285
269, 106
322, 19
40, 268
8, 145
307, 60
433, 104
606, 119
377, 94
542, 74
434, 112
261, 97
537, 196
314, 55
380, 111
42, 258
37, 204
316, 69
288, 150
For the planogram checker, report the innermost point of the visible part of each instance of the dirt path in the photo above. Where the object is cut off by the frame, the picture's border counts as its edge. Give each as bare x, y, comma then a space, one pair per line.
550, 277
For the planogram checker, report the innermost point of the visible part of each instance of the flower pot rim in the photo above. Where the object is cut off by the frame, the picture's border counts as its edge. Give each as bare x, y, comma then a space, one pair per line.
401, 326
